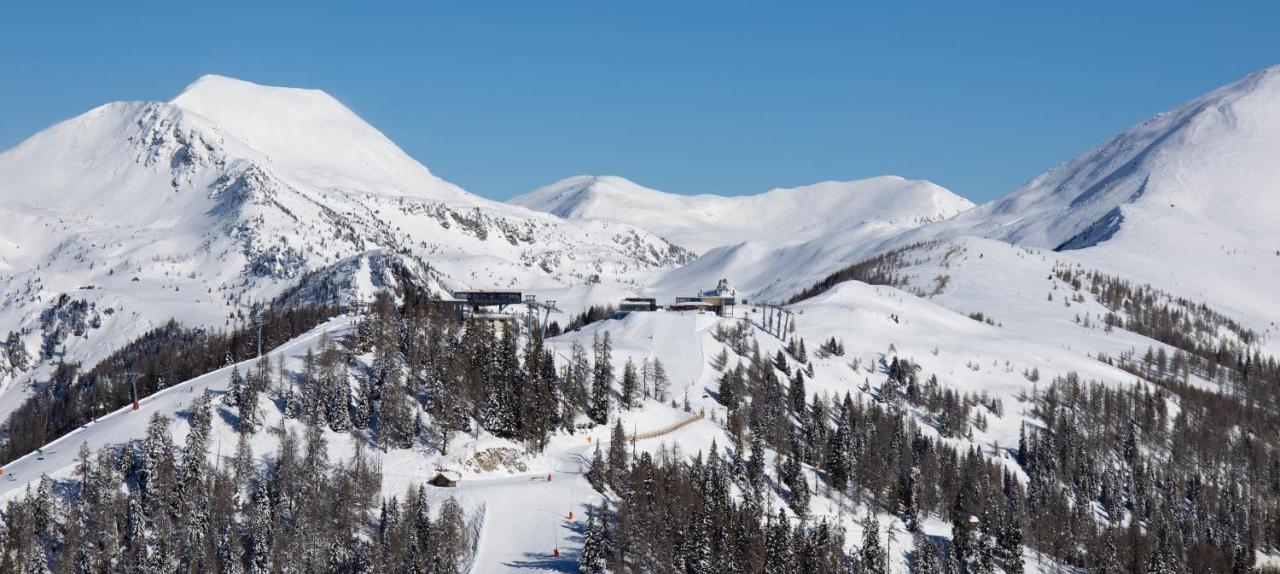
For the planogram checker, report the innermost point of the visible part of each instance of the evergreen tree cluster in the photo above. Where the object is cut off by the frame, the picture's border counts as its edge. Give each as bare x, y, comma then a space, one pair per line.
1185, 489
591, 315
882, 269
1191, 489
154, 507
164, 356
679, 515
1207, 343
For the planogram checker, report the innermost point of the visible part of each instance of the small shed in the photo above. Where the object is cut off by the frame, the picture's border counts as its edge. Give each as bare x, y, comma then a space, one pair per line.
444, 479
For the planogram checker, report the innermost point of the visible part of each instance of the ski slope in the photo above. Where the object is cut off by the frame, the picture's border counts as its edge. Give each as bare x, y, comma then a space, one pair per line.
58, 457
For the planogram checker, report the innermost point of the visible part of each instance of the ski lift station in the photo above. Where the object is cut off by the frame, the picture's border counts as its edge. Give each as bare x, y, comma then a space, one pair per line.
721, 300
492, 306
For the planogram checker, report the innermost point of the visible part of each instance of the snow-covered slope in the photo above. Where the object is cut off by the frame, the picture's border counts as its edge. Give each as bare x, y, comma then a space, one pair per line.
1212, 159
133, 213
1188, 200
703, 222
771, 270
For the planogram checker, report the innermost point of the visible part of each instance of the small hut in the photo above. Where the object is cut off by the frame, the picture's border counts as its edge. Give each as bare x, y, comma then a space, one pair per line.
444, 479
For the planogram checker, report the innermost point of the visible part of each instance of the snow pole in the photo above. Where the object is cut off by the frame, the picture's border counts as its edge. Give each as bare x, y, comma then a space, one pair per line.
555, 542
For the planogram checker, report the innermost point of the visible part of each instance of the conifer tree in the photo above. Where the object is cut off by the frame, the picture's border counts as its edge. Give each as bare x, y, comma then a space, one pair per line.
799, 398
260, 536
780, 363
451, 538
594, 557
395, 420
873, 556
579, 373
597, 472
629, 384
601, 379
925, 557
243, 463
156, 473
308, 400
660, 381
778, 550
962, 531
617, 456
336, 385
362, 410
731, 387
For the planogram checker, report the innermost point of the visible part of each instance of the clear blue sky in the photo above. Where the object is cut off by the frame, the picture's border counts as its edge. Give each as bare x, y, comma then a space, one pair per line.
687, 97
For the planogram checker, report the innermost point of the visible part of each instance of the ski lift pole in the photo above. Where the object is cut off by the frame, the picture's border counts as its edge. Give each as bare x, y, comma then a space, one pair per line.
258, 320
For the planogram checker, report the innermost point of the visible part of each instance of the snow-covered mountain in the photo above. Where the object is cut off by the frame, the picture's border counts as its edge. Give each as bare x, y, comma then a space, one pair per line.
137, 212
703, 222
1188, 200
133, 213
1212, 159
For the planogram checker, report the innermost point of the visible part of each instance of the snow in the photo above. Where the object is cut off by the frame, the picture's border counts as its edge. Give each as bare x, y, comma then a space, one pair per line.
125, 424
765, 270
1196, 188
1186, 201
235, 192
703, 222
313, 138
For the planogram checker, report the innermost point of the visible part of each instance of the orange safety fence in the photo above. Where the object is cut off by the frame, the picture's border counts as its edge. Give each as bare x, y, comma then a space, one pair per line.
668, 429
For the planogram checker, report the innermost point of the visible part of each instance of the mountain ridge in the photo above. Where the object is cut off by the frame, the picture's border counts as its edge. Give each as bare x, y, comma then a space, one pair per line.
703, 222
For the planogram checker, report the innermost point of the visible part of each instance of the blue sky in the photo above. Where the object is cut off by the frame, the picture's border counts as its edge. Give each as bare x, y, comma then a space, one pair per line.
687, 97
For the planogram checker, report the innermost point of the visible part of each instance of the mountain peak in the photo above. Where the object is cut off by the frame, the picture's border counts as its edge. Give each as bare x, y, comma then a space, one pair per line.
222, 98
312, 136
1211, 158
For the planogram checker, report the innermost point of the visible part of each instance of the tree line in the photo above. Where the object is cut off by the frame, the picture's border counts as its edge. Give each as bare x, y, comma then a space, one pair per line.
152, 506
162, 357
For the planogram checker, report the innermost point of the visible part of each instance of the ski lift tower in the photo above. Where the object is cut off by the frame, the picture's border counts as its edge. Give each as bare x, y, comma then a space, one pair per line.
777, 319
536, 308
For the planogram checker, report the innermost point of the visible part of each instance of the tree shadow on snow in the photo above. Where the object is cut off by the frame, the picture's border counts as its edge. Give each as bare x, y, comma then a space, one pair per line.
568, 559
